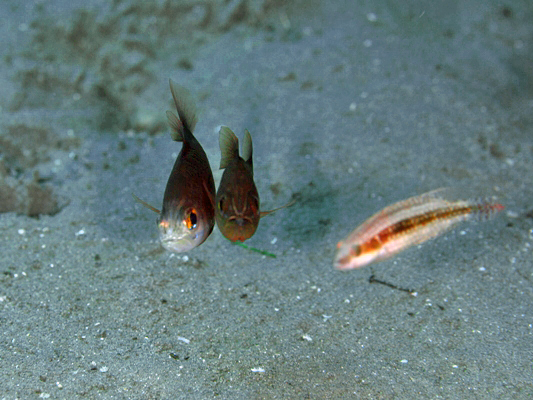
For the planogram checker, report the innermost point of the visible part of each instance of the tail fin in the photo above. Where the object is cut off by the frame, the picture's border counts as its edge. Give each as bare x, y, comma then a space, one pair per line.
485, 209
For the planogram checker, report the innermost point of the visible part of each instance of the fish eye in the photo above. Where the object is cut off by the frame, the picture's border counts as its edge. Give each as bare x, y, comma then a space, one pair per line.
191, 220
356, 250
221, 204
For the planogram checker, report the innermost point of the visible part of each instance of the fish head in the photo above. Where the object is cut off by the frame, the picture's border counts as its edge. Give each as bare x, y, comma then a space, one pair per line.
184, 229
238, 216
353, 255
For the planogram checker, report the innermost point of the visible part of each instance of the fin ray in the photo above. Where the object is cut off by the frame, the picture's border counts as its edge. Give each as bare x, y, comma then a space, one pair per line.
184, 104
144, 203
229, 146
247, 148
265, 213
176, 126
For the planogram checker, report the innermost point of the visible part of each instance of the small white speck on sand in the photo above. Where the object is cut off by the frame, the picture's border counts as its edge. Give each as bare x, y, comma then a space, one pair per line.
307, 337
371, 17
259, 369
21, 231
104, 369
184, 340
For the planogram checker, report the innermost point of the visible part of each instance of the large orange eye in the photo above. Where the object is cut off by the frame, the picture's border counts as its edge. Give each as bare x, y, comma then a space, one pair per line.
191, 220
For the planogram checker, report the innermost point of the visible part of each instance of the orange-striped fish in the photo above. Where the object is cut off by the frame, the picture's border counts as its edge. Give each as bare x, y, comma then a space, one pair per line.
237, 201
407, 223
188, 214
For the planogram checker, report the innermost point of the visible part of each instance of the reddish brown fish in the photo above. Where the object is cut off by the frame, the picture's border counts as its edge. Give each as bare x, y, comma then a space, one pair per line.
188, 214
237, 201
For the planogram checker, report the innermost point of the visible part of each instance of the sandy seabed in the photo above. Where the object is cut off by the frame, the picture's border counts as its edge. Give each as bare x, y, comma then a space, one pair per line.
352, 106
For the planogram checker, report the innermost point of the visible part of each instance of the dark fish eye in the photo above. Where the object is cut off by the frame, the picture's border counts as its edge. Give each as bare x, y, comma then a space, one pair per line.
356, 250
191, 220
221, 204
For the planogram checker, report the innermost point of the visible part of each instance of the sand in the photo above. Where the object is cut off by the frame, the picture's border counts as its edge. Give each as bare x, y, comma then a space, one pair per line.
352, 106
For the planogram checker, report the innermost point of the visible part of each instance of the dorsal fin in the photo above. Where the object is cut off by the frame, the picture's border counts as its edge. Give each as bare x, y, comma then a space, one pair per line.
176, 126
247, 148
229, 146
184, 104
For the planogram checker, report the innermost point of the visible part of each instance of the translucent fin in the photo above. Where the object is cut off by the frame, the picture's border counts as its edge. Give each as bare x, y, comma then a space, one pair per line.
176, 126
247, 148
229, 146
265, 213
184, 104
144, 203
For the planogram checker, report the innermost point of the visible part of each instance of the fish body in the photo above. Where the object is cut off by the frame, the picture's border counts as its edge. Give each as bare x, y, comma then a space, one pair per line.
237, 200
405, 224
188, 213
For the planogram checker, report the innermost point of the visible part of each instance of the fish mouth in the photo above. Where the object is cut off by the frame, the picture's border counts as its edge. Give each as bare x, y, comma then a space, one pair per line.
177, 245
240, 220
178, 240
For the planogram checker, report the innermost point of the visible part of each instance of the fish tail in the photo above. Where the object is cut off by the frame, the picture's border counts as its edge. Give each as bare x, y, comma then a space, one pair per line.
186, 119
229, 146
485, 209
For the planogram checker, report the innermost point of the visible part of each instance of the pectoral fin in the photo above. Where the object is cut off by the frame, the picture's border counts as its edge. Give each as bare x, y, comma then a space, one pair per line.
265, 213
144, 203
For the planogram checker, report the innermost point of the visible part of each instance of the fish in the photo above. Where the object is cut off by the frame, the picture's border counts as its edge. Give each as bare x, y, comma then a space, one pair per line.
187, 216
237, 211
408, 223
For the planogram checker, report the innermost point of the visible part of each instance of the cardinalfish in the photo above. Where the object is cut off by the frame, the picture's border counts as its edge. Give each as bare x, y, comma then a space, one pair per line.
405, 224
188, 213
237, 201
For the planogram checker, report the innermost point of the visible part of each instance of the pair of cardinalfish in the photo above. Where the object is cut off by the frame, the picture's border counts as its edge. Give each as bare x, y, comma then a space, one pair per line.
190, 204
408, 223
